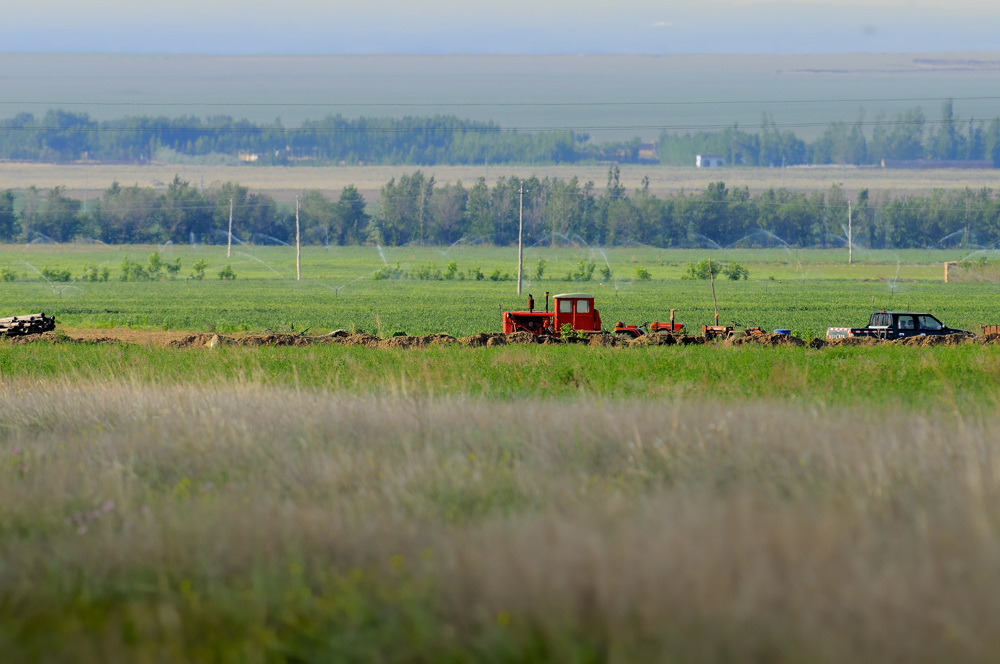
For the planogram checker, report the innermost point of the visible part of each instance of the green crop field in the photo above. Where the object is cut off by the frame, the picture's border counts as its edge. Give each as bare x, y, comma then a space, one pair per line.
806, 290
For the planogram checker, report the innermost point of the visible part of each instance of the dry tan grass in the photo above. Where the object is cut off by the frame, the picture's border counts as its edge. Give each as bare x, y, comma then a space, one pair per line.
285, 182
646, 531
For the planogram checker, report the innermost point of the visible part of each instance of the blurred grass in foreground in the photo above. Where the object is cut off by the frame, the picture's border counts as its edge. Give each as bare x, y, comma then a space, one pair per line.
249, 523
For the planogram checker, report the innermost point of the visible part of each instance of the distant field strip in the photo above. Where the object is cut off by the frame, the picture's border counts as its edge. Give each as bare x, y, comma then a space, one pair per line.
89, 180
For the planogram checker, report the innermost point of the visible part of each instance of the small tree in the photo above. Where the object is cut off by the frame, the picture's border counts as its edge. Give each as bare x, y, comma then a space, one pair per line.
227, 274
155, 265
199, 270
735, 271
642, 274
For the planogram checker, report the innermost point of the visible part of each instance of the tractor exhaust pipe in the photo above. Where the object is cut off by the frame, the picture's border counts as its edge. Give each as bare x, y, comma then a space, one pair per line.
546, 302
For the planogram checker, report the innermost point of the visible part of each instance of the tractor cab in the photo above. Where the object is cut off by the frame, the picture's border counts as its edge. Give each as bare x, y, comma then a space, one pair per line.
577, 310
573, 309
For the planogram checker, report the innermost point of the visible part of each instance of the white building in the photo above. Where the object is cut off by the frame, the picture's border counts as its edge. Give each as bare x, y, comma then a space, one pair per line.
708, 161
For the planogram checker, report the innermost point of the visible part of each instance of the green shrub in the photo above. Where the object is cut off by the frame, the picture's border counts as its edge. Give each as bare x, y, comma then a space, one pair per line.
227, 274
199, 270
7, 274
388, 272
55, 274
584, 271
540, 268
735, 272
642, 274
133, 271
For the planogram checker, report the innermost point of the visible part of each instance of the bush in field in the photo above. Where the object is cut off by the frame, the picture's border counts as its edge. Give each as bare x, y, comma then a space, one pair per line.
199, 270
388, 272
642, 274
499, 275
227, 274
540, 269
476, 274
584, 271
133, 271
429, 272
7, 274
92, 272
735, 272
55, 274
452, 271
702, 270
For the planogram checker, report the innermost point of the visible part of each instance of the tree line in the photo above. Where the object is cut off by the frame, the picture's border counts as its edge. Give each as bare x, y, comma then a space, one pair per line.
61, 136
416, 209
906, 136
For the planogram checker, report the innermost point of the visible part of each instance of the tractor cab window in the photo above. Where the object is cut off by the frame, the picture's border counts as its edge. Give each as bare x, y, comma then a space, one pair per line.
906, 323
565, 306
929, 323
583, 306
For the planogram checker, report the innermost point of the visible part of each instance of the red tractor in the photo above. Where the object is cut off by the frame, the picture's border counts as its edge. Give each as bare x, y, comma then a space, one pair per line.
576, 310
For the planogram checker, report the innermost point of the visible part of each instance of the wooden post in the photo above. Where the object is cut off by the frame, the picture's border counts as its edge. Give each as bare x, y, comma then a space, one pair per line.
850, 236
298, 248
715, 302
520, 244
229, 246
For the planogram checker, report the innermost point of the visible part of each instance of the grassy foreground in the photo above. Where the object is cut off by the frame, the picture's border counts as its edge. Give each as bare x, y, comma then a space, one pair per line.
255, 523
956, 378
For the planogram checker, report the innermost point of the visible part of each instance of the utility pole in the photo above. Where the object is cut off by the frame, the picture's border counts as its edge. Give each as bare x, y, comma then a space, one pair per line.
520, 232
229, 246
298, 247
850, 236
715, 302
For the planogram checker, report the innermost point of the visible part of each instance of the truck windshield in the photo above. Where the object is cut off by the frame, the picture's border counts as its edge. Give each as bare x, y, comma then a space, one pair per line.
930, 323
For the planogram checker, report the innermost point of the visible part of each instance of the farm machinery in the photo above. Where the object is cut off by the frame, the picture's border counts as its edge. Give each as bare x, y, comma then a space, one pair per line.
16, 326
575, 312
729, 331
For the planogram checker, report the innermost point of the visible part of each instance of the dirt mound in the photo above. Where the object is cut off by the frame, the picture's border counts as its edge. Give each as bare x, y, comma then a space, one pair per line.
522, 338
58, 338
481, 339
403, 341
817, 343
771, 340
654, 339
990, 339
270, 340
604, 339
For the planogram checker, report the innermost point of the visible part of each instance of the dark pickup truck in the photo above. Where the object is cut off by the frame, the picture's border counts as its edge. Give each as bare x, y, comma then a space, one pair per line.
896, 325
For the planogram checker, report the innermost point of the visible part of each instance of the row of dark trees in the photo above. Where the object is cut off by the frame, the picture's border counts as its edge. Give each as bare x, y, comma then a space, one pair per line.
907, 136
61, 136
416, 209
181, 214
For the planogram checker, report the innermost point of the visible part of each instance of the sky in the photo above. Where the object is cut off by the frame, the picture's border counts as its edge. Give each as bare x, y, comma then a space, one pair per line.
316, 27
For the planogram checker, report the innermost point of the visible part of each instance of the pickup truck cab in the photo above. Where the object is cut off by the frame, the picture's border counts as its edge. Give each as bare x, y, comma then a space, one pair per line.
896, 325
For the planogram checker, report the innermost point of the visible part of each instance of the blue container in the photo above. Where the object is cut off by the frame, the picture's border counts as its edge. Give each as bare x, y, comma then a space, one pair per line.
782, 331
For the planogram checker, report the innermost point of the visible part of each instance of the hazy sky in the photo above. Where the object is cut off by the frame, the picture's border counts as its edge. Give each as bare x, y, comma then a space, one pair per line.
511, 26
